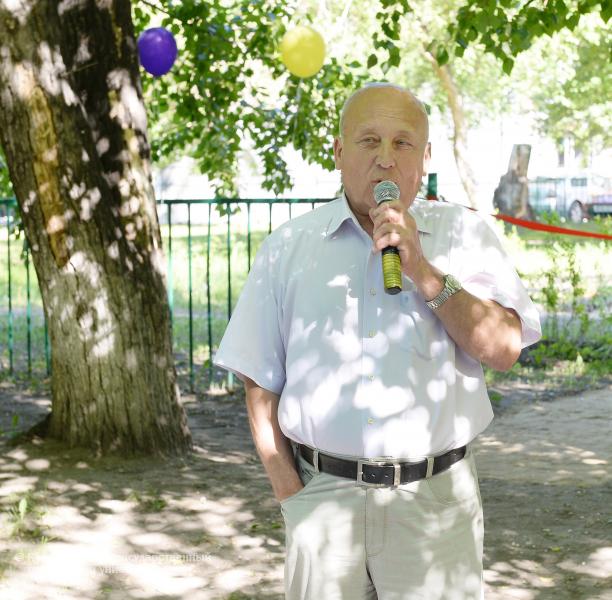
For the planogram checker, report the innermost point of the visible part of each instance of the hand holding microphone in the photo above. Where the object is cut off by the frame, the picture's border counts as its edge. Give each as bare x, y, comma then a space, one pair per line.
386, 191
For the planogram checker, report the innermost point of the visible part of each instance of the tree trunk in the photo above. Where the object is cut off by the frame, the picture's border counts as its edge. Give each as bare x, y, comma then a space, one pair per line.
460, 129
511, 196
73, 128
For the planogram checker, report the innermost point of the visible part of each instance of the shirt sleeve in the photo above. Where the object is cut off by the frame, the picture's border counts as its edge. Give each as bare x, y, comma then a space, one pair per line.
252, 344
485, 270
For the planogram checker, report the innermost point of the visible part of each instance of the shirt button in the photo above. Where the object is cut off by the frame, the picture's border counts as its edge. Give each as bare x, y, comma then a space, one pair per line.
370, 421
372, 333
373, 292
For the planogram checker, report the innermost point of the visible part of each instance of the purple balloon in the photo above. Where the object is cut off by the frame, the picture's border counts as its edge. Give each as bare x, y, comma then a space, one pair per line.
157, 50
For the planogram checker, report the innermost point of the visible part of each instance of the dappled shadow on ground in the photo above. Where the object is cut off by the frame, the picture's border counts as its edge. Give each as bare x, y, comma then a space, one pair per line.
207, 527
202, 527
546, 488
546, 541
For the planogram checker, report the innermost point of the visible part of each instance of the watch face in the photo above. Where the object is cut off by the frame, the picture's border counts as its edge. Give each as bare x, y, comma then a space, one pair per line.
452, 284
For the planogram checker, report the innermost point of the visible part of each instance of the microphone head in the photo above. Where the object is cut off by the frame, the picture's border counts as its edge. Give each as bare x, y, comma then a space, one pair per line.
385, 191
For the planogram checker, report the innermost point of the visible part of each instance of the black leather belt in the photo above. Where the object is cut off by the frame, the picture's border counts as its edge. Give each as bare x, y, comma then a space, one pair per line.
381, 473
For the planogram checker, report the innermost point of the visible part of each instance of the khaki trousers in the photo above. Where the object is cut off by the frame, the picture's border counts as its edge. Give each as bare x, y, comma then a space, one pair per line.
420, 540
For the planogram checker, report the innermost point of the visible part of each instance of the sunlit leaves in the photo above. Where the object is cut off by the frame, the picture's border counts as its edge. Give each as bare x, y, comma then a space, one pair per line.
508, 28
389, 32
504, 29
571, 89
214, 103
6, 187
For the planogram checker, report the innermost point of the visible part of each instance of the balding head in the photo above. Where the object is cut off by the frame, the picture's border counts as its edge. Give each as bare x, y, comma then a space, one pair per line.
384, 133
412, 103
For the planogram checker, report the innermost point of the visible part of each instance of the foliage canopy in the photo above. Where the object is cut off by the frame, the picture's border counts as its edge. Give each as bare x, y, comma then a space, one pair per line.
229, 92
217, 101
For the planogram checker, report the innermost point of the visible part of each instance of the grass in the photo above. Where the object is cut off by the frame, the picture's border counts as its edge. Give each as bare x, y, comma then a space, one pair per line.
14, 327
25, 514
148, 502
532, 252
597, 225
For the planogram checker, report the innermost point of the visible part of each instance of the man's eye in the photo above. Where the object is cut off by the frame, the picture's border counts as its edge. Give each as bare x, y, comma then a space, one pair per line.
404, 143
368, 140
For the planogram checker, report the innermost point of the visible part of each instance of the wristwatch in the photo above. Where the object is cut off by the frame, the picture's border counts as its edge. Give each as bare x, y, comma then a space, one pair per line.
451, 286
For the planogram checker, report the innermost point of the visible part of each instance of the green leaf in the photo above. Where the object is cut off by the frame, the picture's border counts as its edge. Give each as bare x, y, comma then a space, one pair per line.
389, 32
572, 21
442, 56
372, 60
470, 34
23, 507
508, 64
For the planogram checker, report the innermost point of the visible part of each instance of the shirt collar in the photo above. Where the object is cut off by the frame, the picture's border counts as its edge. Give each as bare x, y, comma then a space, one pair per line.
343, 212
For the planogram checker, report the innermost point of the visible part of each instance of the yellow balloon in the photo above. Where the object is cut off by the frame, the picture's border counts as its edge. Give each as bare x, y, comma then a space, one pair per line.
302, 51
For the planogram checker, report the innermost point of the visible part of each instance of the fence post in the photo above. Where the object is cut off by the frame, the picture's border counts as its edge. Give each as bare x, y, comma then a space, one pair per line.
230, 375
22, 272
191, 386
10, 288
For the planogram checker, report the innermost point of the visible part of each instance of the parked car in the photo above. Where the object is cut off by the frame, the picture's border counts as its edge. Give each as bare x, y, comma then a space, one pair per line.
576, 197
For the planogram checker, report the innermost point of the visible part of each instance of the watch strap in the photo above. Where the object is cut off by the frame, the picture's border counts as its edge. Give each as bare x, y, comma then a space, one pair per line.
451, 286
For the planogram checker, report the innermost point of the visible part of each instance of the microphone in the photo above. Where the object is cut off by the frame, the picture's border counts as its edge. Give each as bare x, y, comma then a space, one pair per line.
385, 191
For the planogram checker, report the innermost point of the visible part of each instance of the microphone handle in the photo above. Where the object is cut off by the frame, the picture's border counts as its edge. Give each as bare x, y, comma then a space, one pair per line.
392, 270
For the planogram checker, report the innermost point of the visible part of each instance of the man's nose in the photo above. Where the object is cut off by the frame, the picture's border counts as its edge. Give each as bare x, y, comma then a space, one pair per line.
385, 158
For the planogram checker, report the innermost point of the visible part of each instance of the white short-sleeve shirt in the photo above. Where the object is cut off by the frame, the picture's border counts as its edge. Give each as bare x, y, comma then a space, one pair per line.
360, 372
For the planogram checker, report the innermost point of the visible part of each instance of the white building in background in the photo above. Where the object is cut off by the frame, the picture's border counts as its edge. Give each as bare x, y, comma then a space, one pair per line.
180, 180
489, 146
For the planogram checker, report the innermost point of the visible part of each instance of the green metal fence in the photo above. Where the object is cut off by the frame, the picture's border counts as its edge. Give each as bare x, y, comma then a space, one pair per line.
208, 258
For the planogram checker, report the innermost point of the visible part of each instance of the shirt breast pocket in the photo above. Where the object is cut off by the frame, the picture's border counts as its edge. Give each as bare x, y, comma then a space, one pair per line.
422, 332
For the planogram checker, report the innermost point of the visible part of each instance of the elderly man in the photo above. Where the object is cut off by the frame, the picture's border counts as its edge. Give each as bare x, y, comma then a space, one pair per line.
363, 405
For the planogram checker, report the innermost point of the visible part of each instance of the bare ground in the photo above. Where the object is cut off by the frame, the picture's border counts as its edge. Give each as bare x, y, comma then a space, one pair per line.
207, 527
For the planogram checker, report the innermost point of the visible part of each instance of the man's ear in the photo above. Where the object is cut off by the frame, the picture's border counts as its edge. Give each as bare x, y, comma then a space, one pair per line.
426, 158
338, 153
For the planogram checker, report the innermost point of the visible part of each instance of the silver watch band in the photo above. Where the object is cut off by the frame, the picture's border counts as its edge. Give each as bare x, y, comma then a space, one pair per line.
451, 286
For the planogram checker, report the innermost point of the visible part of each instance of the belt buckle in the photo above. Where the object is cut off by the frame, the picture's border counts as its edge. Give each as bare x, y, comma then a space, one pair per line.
397, 468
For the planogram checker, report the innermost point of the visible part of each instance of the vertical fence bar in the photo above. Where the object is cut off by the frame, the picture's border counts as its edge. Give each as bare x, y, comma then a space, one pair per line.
28, 309
191, 386
10, 288
230, 375
248, 237
208, 307
170, 283
251, 247
229, 264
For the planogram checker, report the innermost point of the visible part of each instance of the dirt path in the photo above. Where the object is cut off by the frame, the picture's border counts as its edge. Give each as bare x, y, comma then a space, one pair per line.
207, 527
547, 493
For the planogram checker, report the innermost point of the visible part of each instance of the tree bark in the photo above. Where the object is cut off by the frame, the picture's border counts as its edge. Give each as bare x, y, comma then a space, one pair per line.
511, 196
460, 128
73, 129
